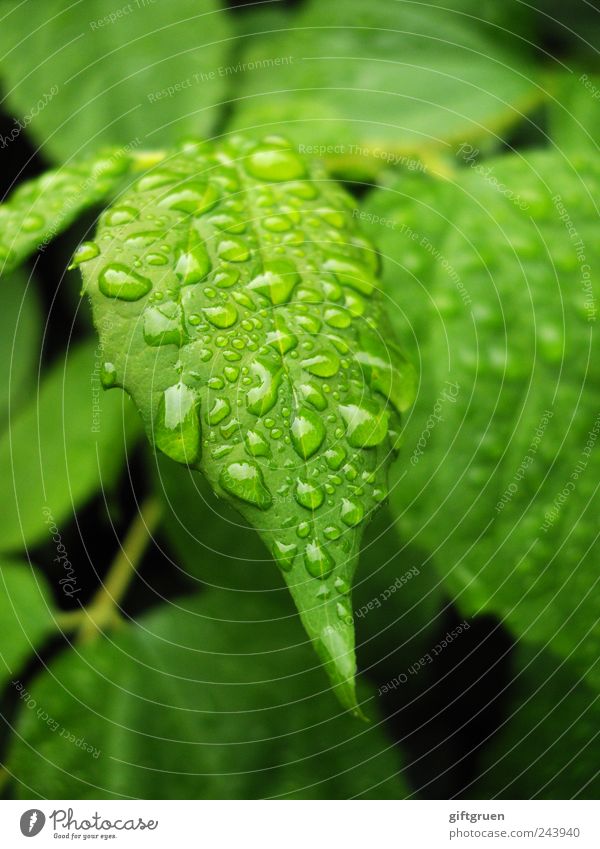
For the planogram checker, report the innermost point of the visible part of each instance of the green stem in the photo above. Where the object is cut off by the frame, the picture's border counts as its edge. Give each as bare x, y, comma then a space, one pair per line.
103, 610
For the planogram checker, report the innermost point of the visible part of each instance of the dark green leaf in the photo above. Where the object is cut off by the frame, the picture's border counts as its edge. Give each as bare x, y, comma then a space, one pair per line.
373, 84
99, 72
61, 449
574, 113
205, 699
239, 308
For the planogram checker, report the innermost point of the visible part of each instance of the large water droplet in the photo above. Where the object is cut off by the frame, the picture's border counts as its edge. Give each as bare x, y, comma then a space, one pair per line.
366, 424
352, 513
260, 399
245, 481
281, 338
318, 562
277, 281
223, 315
350, 274
335, 456
84, 253
233, 250
323, 364
195, 198
220, 409
193, 264
177, 432
274, 164
308, 432
120, 215
118, 281
284, 554
312, 395
256, 444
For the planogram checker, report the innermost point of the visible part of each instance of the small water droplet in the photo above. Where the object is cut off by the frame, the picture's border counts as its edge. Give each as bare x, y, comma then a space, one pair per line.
120, 215
352, 513
274, 164
224, 315
108, 375
84, 253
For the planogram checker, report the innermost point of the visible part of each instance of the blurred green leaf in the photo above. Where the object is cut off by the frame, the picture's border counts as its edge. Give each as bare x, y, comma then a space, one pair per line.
68, 443
501, 483
99, 72
20, 331
203, 699
39, 209
278, 378
546, 747
373, 84
574, 113
26, 616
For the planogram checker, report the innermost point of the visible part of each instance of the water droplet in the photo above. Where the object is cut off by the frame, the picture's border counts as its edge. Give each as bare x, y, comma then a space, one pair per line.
144, 239
308, 495
344, 613
308, 432
256, 444
387, 371
195, 198
225, 279
324, 364
332, 532
303, 530
282, 339
260, 399
219, 411
277, 281
177, 432
231, 373
156, 180
85, 252
233, 250
312, 395
120, 215
318, 562
277, 223
224, 315
193, 264
274, 164
163, 325
335, 456
337, 317
366, 424
284, 554
156, 259
245, 481
118, 281
352, 513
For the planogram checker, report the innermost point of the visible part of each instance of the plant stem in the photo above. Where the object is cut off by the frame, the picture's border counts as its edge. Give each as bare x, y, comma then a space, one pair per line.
102, 612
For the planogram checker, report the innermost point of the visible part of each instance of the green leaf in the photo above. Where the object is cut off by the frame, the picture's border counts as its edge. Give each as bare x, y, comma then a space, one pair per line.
544, 750
26, 616
61, 449
20, 331
369, 85
99, 72
38, 210
239, 308
502, 479
204, 699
